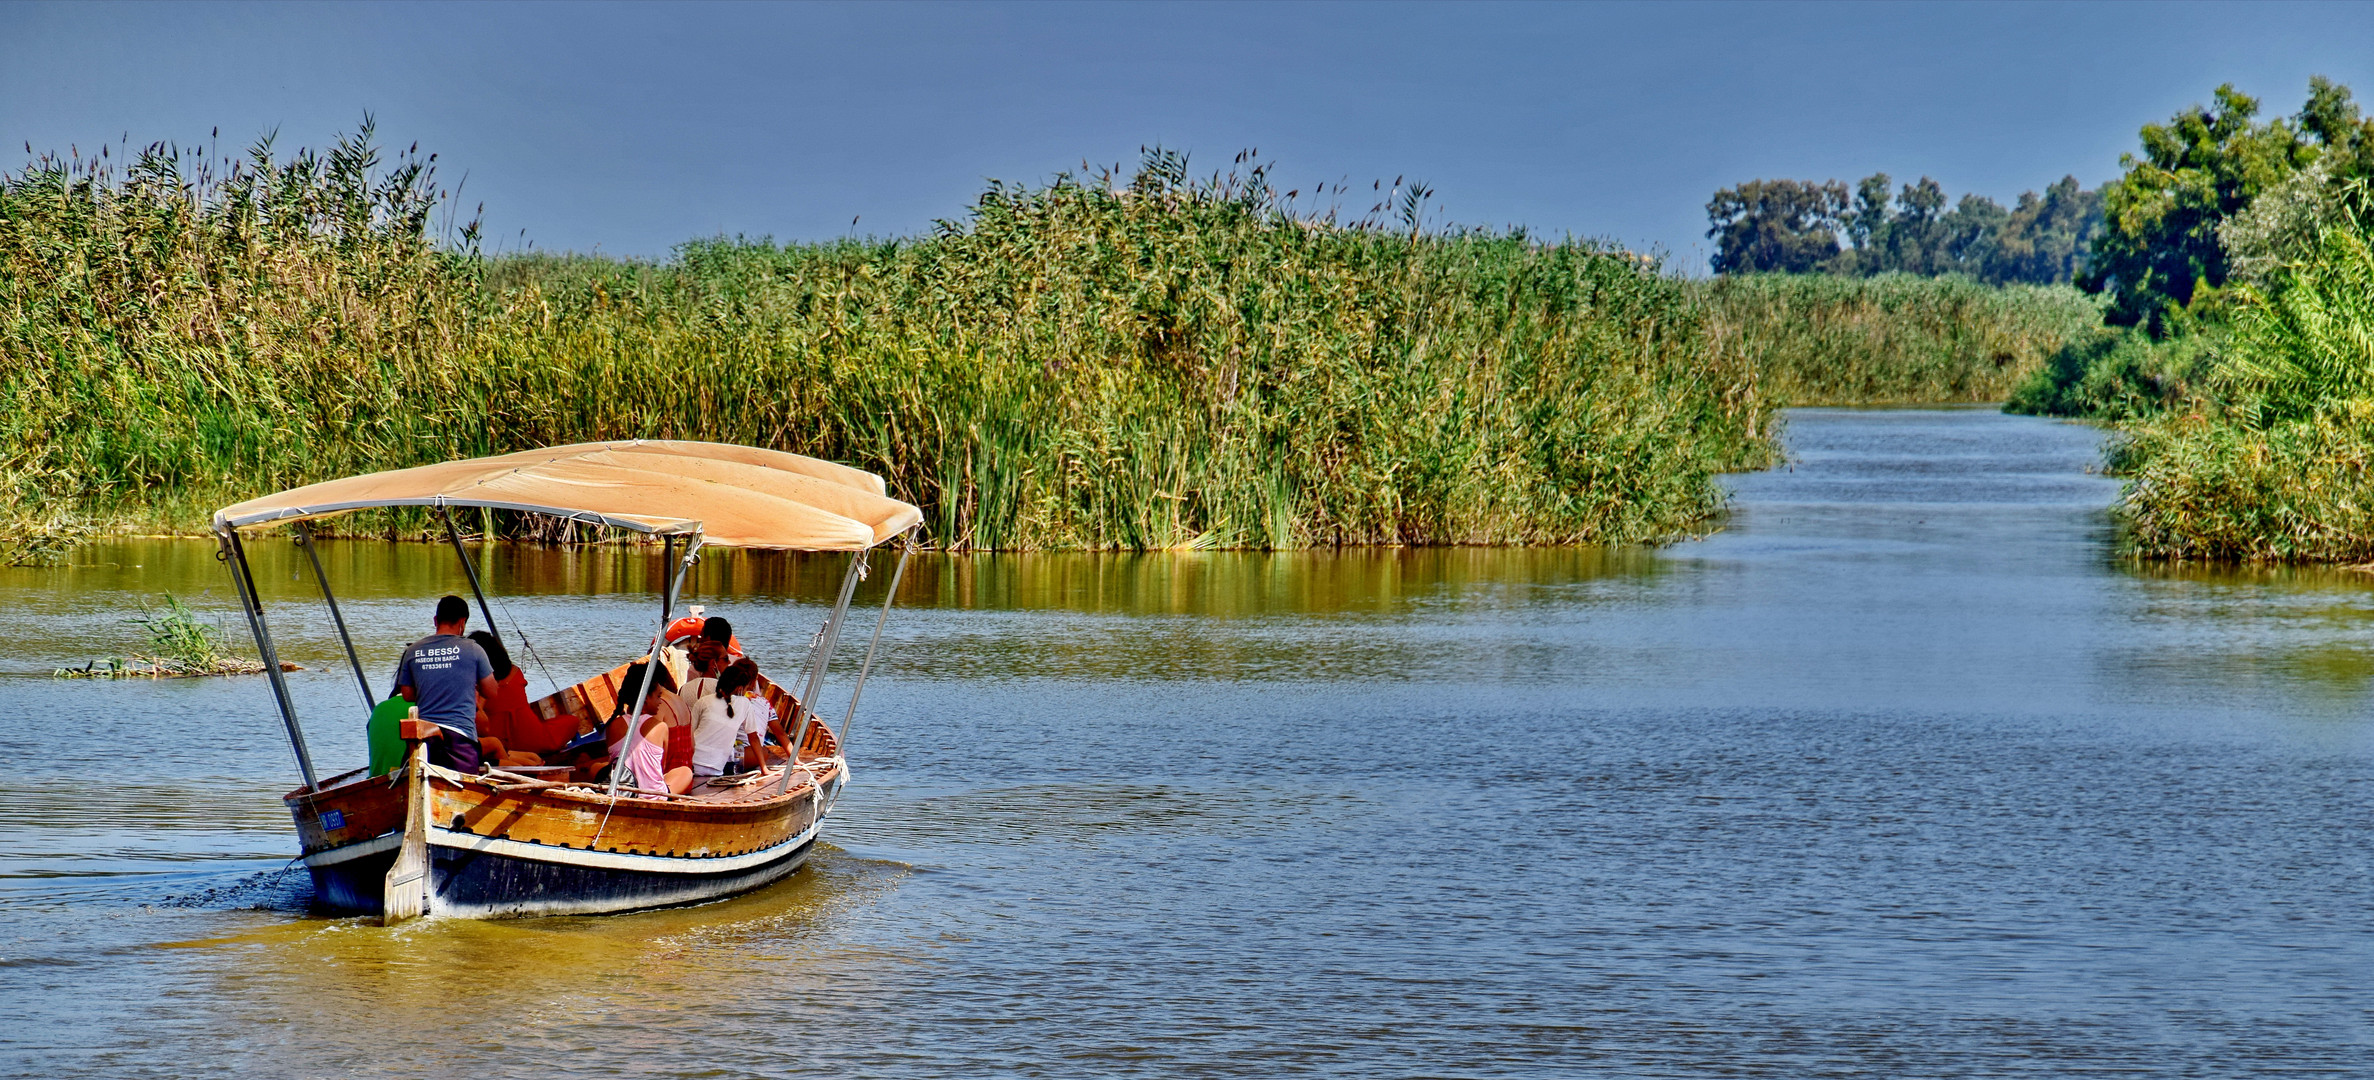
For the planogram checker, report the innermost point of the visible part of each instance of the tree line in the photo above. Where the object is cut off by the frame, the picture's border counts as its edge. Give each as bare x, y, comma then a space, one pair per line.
2162, 240
1804, 226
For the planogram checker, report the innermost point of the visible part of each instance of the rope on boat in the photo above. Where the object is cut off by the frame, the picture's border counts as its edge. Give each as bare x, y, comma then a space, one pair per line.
531, 645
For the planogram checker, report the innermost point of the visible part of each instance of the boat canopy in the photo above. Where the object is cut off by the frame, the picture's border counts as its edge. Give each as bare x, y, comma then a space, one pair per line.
735, 496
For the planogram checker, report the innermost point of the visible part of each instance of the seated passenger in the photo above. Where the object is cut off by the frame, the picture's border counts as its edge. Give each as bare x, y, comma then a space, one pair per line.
444, 674
706, 658
716, 629
647, 758
597, 743
728, 719
531, 731
772, 737
508, 731
774, 730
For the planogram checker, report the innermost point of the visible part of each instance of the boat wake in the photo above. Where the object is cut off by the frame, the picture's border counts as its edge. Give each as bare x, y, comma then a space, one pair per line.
286, 889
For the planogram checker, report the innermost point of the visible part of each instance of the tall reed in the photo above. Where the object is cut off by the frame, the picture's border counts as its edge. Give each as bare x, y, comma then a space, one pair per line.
1105, 361
175, 327
1822, 339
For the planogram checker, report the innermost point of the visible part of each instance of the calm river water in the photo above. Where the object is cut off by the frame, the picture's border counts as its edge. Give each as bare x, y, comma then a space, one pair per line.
1904, 774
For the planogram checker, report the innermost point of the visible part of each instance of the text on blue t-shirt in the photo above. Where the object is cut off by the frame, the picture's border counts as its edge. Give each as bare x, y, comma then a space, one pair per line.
443, 670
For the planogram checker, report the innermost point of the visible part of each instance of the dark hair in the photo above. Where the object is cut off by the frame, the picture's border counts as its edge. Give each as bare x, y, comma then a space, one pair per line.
632, 685
716, 629
738, 676
496, 654
452, 609
707, 655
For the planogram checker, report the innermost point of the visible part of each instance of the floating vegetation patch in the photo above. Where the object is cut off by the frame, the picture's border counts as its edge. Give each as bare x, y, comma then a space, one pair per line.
180, 645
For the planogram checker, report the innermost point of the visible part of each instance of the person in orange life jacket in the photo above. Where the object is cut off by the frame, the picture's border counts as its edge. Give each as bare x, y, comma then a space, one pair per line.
445, 674
509, 731
686, 631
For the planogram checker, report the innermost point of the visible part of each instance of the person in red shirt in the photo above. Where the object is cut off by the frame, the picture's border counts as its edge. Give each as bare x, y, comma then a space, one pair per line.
509, 730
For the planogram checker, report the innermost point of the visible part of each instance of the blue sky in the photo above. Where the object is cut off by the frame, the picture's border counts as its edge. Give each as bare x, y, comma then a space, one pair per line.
629, 128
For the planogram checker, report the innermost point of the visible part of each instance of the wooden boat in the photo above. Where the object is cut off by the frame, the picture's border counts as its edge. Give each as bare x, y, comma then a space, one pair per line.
503, 844
428, 840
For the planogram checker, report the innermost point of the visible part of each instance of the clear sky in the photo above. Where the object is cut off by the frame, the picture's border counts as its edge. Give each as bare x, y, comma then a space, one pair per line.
627, 129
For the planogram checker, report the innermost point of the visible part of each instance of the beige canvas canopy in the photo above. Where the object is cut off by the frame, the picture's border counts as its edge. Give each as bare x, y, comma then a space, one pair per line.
736, 496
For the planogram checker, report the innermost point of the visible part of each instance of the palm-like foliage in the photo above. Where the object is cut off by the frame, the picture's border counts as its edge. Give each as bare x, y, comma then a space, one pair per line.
2279, 464
2310, 345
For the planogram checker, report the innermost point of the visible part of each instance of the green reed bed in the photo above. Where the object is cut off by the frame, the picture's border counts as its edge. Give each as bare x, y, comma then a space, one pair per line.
1821, 339
2275, 462
1100, 362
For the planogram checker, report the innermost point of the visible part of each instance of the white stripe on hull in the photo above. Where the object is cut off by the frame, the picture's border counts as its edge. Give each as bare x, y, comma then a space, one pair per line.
552, 853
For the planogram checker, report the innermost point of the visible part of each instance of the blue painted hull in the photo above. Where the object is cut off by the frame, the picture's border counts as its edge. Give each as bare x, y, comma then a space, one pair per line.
477, 883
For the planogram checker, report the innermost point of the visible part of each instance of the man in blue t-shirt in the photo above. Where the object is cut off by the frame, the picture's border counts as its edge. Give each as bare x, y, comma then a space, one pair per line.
445, 673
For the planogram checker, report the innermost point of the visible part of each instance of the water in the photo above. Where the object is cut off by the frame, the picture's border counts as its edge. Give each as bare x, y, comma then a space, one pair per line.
1903, 774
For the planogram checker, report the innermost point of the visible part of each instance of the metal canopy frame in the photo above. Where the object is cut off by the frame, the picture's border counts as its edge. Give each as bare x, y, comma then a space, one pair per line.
234, 554
667, 608
251, 604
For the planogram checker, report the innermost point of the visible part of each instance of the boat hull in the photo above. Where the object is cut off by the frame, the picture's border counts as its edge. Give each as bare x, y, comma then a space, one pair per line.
472, 878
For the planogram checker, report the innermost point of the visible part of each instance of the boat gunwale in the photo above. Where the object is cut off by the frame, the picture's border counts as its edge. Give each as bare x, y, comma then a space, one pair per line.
819, 771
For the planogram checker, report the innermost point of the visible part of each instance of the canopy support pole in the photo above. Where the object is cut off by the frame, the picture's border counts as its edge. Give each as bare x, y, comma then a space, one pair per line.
305, 540
867, 668
830, 636
251, 604
469, 569
667, 608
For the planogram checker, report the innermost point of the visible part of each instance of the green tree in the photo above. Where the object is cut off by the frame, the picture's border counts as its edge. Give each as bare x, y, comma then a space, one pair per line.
2159, 243
1972, 231
1795, 225
1913, 240
1869, 217
2334, 121
2043, 239
1775, 225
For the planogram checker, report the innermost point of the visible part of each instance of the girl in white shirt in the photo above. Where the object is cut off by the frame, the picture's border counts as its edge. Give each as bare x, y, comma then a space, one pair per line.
725, 715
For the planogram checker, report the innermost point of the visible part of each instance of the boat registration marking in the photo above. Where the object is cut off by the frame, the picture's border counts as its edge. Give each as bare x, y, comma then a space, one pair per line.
333, 820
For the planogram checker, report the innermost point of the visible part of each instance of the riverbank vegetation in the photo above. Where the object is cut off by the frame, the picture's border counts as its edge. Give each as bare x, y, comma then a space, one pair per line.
2234, 348
1131, 361
2239, 360
1894, 339
1147, 359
